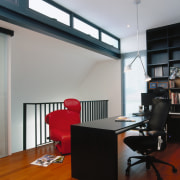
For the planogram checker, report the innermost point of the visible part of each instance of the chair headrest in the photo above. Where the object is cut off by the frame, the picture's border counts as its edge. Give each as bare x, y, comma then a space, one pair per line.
72, 104
159, 91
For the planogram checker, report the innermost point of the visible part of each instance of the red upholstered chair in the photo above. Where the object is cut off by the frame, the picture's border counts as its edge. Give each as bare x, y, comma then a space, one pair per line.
60, 124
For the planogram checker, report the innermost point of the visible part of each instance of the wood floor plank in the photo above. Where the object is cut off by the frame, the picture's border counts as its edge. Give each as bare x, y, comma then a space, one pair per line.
18, 167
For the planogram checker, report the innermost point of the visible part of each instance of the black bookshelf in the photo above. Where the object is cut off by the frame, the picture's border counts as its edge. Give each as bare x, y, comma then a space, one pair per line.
163, 54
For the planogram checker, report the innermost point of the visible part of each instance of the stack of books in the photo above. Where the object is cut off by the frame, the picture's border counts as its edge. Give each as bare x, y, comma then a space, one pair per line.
175, 97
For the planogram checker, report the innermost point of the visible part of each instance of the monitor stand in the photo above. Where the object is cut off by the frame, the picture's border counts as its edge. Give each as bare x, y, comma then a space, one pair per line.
146, 108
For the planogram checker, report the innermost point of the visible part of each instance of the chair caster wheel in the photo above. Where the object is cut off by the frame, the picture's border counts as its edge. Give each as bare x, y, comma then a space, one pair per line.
174, 170
159, 178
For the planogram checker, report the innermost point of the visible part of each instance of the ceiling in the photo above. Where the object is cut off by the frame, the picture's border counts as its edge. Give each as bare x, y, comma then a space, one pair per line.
115, 15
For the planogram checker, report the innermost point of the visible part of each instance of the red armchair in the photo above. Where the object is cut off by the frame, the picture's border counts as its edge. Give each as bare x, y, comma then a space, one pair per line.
60, 124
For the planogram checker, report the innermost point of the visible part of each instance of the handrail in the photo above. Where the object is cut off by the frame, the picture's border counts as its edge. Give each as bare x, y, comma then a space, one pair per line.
36, 131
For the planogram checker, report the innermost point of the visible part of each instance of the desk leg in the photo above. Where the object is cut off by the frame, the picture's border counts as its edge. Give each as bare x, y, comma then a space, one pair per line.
93, 154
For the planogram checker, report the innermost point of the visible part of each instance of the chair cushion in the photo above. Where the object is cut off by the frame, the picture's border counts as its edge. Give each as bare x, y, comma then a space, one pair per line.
142, 144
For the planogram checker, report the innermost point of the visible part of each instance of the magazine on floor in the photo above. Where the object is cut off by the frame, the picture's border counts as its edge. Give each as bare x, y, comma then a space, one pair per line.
47, 160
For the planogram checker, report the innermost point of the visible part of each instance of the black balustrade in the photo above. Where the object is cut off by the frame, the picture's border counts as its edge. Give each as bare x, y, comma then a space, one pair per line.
36, 131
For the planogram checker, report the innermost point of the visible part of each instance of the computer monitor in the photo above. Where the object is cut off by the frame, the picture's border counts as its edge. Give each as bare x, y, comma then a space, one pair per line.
146, 100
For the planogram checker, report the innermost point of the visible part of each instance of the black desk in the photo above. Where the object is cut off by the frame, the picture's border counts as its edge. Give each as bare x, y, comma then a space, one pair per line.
94, 148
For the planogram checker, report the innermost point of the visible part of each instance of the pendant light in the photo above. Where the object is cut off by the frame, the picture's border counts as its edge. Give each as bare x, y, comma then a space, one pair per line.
128, 67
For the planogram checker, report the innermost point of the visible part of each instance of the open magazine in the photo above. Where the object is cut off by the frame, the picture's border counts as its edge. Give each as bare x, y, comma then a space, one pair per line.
47, 160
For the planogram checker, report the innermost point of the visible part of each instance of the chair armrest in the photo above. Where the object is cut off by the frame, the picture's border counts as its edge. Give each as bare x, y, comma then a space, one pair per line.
156, 133
161, 139
142, 128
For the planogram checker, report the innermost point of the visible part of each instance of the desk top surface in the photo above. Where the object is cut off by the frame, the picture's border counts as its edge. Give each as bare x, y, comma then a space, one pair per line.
109, 124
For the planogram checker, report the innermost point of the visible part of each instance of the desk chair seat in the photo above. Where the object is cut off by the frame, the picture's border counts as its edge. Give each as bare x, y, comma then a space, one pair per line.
154, 140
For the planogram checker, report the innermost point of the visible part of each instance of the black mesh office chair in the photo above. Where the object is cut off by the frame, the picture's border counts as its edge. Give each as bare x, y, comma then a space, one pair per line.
154, 140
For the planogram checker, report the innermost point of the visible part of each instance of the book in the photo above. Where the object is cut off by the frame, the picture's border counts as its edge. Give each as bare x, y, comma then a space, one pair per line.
175, 98
46, 160
171, 84
158, 71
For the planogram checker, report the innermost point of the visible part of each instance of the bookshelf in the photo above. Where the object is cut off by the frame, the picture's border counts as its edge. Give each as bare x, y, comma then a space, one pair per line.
163, 54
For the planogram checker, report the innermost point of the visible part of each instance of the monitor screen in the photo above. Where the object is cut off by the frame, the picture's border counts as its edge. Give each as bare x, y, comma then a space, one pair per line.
146, 99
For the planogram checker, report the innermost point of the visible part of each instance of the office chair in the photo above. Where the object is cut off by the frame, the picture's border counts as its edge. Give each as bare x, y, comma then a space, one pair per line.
60, 122
154, 140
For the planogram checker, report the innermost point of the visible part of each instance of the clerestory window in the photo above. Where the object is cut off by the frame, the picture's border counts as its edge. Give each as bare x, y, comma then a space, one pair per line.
109, 40
85, 28
53, 12
49, 17
50, 11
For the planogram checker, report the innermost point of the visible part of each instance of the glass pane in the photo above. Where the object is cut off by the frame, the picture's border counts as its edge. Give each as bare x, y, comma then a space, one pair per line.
134, 85
85, 28
50, 11
109, 40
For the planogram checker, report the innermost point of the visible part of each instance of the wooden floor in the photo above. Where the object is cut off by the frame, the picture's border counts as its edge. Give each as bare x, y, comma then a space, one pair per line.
18, 167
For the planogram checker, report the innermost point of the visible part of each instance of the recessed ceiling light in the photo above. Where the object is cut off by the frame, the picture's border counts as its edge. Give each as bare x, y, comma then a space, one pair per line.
128, 26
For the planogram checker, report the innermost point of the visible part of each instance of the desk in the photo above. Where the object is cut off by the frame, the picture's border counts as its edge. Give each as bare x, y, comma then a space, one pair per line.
94, 148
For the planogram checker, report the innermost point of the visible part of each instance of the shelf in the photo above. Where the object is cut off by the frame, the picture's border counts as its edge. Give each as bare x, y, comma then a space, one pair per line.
156, 39
163, 77
157, 33
160, 64
173, 36
174, 47
174, 60
157, 50
174, 88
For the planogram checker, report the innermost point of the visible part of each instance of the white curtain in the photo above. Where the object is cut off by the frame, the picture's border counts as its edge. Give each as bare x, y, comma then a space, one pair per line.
5, 95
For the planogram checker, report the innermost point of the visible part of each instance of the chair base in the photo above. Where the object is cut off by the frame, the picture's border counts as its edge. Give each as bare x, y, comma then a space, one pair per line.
149, 160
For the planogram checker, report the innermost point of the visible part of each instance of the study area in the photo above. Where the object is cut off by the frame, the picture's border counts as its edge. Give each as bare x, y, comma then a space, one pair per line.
94, 145
52, 58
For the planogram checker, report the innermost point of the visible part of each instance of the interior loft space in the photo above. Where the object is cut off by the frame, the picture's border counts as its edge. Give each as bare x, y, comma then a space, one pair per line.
60, 50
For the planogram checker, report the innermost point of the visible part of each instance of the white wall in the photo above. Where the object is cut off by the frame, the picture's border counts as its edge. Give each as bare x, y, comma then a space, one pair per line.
45, 69
130, 44
104, 82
